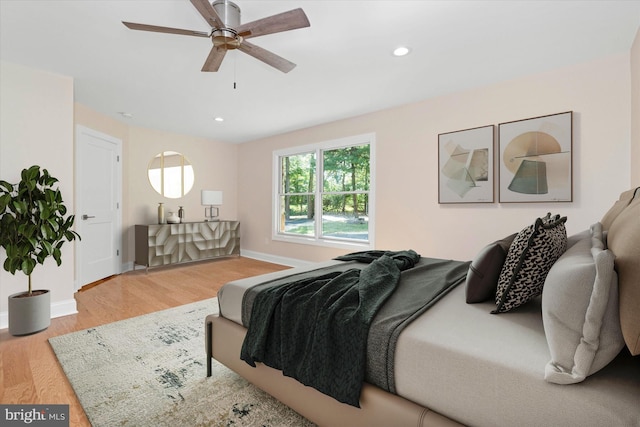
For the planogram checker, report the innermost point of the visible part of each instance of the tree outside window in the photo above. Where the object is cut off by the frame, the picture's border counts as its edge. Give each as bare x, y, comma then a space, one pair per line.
333, 179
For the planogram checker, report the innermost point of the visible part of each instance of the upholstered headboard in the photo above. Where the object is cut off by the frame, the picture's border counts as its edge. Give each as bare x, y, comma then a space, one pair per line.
623, 238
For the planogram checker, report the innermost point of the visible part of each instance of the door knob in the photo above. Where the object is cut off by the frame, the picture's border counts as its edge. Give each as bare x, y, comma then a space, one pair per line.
86, 217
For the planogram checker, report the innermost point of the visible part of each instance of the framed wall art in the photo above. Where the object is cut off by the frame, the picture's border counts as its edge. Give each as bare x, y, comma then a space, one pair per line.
535, 159
465, 166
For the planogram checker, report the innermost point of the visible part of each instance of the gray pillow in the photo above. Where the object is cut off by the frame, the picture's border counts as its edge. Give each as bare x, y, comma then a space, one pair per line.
531, 255
580, 311
575, 238
482, 278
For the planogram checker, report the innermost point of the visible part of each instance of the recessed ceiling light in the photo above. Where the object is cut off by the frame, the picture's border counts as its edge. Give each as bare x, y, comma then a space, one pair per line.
219, 119
125, 114
401, 51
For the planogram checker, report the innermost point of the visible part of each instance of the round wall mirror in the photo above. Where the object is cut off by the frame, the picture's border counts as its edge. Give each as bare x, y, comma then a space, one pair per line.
171, 174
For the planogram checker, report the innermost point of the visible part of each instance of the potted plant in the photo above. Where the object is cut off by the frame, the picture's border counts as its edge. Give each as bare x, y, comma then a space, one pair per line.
33, 227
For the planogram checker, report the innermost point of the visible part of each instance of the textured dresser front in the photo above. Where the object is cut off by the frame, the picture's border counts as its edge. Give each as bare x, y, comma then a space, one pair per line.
165, 244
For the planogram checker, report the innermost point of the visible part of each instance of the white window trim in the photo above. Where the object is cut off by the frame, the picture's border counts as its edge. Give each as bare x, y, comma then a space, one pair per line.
318, 240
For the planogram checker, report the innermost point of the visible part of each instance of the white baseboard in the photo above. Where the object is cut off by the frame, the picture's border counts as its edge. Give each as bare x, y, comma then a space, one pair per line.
290, 262
63, 308
58, 309
127, 266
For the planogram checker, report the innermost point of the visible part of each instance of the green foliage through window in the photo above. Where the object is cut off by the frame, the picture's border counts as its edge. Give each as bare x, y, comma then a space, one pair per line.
335, 181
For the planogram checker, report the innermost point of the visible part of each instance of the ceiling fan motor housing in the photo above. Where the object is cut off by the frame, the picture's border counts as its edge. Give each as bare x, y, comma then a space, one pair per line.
229, 13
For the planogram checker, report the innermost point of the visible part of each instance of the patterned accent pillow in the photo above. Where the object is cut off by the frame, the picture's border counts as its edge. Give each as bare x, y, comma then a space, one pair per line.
531, 255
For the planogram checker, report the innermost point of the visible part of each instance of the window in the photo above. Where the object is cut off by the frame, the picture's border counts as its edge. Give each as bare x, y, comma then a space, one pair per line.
324, 193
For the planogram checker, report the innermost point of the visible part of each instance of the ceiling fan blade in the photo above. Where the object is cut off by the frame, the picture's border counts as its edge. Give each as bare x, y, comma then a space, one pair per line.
208, 13
214, 59
157, 29
285, 21
267, 57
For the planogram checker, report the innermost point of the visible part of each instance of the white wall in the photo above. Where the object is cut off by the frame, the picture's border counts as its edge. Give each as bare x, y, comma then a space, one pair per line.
36, 127
408, 214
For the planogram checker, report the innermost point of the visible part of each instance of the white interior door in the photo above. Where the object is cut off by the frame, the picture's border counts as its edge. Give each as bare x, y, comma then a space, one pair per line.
98, 201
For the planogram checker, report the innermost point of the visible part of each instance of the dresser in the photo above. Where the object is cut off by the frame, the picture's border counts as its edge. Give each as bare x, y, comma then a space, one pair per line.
165, 244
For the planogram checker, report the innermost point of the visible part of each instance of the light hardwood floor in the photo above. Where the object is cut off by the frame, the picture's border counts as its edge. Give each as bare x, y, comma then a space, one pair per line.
29, 370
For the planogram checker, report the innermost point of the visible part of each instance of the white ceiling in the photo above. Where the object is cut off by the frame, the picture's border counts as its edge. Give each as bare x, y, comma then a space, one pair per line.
345, 66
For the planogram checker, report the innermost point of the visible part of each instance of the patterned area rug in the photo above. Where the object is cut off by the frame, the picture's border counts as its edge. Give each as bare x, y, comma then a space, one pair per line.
151, 371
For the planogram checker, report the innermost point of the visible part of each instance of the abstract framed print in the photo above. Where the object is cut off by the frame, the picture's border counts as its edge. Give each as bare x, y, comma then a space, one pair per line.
535, 158
465, 166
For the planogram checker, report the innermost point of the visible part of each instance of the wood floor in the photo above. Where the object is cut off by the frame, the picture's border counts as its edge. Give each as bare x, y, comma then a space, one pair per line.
29, 370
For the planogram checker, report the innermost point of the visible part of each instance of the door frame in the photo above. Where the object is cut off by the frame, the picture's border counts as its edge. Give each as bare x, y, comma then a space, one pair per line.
79, 131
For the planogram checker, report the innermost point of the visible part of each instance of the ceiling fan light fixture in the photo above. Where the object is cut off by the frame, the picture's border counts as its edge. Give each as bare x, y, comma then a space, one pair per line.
219, 119
226, 37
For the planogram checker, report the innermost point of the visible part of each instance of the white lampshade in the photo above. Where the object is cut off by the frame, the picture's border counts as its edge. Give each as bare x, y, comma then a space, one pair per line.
211, 197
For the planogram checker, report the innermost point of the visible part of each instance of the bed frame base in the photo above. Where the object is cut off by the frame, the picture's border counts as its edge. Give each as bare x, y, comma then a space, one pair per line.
378, 407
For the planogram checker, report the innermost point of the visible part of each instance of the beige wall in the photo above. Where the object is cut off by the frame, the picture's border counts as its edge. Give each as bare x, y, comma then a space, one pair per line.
36, 128
604, 95
635, 111
407, 212
214, 166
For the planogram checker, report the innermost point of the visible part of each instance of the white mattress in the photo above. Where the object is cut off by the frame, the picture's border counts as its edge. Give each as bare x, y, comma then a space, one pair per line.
483, 369
230, 295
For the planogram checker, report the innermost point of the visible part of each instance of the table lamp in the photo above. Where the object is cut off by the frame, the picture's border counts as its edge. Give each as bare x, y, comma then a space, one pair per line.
211, 199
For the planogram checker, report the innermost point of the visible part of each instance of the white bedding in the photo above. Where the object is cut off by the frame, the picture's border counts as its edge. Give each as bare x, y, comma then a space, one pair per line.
232, 292
485, 369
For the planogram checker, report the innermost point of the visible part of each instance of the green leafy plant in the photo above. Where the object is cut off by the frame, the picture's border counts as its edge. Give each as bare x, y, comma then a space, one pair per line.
33, 225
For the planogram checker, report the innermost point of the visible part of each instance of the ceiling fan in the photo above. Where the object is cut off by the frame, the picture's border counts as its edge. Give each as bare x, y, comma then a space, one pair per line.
227, 33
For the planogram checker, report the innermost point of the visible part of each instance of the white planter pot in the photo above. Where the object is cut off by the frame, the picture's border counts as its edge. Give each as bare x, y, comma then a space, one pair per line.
28, 315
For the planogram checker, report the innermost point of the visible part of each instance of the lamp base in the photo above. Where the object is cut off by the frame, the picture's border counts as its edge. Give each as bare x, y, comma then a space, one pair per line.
209, 214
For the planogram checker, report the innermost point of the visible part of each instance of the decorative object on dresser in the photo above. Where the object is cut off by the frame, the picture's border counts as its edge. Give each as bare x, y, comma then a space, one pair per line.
173, 218
212, 199
165, 244
161, 219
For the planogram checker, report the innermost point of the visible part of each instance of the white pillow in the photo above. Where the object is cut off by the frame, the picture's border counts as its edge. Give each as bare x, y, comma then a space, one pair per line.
580, 311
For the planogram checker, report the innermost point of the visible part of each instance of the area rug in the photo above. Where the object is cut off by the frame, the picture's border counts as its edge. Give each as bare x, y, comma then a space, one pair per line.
151, 371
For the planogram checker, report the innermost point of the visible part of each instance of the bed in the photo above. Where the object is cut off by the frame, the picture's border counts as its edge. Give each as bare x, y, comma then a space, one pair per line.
543, 329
